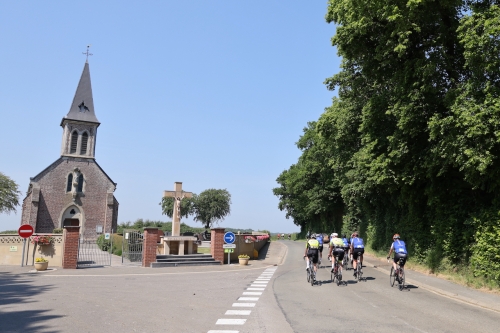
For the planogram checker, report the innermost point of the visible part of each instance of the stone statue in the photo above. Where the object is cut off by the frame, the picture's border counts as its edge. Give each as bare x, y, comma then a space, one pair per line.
74, 188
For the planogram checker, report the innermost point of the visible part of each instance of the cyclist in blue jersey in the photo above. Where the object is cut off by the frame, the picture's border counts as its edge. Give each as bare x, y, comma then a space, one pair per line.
357, 246
319, 238
346, 245
399, 248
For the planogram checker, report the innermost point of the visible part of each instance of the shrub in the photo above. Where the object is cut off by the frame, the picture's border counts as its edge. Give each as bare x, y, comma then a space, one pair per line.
41, 260
243, 256
58, 231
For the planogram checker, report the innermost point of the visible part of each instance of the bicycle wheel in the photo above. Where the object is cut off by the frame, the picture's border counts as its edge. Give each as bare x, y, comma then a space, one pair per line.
312, 277
308, 275
401, 279
339, 277
392, 278
358, 268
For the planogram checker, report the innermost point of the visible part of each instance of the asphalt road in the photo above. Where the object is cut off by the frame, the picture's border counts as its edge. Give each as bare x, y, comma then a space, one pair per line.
262, 297
371, 306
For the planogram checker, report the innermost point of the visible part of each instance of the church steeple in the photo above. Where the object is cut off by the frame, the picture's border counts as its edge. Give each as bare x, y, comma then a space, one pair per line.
80, 124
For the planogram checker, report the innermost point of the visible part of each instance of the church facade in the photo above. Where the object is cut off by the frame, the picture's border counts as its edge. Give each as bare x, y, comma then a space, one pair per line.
74, 190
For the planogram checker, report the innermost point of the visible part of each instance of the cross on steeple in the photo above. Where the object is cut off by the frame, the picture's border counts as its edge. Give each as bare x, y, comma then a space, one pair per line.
87, 53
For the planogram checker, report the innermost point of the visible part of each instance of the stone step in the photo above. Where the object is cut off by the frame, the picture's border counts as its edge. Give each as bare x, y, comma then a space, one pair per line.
184, 263
183, 259
186, 256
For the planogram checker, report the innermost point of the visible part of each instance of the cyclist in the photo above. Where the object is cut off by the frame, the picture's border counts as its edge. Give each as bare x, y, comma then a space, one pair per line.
279, 236
346, 245
336, 250
399, 248
311, 253
319, 238
357, 246
289, 236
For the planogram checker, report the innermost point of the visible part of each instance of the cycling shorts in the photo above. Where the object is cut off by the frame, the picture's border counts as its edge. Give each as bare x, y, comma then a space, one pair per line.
313, 255
321, 248
398, 256
355, 253
338, 252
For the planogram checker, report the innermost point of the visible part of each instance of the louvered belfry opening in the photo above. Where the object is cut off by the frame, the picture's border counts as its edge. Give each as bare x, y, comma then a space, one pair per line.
85, 139
74, 142
69, 186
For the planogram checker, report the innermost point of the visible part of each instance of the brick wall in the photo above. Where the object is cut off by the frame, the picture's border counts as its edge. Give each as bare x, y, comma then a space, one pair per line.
216, 243
70, 247
53, 198
150, 242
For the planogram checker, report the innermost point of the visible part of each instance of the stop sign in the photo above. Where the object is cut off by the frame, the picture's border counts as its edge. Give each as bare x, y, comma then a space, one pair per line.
25, 231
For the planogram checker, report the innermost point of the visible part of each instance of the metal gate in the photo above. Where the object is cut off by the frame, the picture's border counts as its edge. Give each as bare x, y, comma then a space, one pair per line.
132, 247
94, 253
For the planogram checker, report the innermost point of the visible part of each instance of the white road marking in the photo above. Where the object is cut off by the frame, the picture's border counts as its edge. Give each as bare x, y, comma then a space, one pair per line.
248, 299
256, 288
238, 312
230, 321
244, 305
222, 331
257, 285
252, 293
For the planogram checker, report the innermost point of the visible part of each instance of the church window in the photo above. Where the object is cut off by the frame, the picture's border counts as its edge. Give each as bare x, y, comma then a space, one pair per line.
70, 183
80, 183
74, 142
85, 139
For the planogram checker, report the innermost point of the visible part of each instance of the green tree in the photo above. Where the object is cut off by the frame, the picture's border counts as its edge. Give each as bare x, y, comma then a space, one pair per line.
211, 206
187, 206
9, 194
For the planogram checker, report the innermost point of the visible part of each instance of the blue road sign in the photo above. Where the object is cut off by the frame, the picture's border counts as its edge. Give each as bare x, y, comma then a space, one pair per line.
229, 237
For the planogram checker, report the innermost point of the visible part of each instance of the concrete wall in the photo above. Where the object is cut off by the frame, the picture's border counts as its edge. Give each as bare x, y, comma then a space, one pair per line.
11, 250
245, 248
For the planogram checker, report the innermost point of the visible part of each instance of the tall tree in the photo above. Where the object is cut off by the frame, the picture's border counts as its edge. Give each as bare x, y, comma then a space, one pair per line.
212, 206
9, 194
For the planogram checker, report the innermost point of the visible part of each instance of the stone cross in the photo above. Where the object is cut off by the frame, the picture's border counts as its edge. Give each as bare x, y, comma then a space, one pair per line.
178, 194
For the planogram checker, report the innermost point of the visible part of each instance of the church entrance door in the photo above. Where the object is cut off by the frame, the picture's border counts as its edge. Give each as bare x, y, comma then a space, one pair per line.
71, 223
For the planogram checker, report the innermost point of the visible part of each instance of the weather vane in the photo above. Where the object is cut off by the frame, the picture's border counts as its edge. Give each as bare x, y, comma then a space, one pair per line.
87, 53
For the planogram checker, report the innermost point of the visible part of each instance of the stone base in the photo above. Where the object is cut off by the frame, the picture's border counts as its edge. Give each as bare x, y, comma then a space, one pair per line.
179, 245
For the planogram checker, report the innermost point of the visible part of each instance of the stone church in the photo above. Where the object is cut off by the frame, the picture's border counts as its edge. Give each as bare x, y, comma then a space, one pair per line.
74, 190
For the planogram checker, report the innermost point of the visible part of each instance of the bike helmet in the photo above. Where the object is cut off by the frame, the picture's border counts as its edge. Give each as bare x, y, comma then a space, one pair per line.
355, 234
334, 234
396, 236
313, 236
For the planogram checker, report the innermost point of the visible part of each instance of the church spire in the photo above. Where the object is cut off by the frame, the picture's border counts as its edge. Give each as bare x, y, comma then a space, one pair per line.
82, 108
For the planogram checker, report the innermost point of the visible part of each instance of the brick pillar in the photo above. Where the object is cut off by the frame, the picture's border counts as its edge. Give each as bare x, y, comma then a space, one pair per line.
70, 247
216, 242
149, 246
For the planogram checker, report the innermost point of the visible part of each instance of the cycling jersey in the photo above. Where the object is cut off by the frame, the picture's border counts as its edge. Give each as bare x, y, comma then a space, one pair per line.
357, 243
346, 243
320, 240
336, 242
399, 246
312, 244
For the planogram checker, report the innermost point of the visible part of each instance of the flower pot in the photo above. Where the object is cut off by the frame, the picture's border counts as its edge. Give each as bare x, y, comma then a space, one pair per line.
41, 266
243, 261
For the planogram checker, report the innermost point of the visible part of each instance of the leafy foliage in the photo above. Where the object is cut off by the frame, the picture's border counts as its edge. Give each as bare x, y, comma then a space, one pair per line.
212, 206
9, 194
411, 143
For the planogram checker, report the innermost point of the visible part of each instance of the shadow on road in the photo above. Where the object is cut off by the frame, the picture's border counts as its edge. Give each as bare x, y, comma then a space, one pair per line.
15, 290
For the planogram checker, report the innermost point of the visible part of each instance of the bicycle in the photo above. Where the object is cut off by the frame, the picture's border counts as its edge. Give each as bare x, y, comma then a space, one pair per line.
399, 275
337, 272
345, 261
311, 275
359, 271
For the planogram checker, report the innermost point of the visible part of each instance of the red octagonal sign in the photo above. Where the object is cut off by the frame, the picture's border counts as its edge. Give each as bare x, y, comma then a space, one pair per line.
25, 231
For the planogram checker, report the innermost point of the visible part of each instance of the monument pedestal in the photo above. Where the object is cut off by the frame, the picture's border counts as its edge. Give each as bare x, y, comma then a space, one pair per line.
179, 245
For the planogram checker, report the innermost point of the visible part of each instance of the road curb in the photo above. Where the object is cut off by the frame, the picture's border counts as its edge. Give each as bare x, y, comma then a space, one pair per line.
440, 291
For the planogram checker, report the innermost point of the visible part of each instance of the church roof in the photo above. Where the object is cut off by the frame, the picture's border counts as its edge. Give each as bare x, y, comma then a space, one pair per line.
82, 108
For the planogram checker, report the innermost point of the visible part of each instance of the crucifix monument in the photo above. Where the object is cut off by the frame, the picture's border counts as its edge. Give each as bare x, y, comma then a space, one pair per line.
176, 242
178, 194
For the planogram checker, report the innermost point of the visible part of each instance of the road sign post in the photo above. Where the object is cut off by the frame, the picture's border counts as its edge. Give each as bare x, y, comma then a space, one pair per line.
24, 231
229, 239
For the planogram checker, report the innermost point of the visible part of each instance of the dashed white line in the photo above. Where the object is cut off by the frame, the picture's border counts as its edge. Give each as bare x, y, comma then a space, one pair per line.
252, 293
230, 321
222, 331
244, 305
248, 299
256, 288
238, 312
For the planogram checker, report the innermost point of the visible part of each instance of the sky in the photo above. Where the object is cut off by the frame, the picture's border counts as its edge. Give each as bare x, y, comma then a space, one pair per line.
213, 94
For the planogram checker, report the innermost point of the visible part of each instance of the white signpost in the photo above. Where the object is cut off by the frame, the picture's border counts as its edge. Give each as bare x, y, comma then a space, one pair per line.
229, 239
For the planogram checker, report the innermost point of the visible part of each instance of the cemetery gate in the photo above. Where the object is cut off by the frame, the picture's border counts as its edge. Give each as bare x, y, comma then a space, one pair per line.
94, 252
132, 247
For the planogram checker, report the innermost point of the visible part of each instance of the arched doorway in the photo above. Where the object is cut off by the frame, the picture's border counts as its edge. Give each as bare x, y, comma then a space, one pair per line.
71, 217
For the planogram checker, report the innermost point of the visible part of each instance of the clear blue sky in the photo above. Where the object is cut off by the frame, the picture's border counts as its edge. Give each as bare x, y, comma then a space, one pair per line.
210, 93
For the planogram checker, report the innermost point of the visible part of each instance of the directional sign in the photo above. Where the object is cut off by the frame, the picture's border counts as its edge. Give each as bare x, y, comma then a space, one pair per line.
229, 246
228, 250
229, 237
25, 231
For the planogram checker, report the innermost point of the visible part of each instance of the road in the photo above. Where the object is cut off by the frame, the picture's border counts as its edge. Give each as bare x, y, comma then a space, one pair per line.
261, 297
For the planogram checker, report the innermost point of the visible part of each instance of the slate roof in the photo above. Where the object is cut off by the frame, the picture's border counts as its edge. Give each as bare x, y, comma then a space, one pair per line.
82, 108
